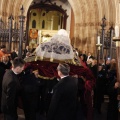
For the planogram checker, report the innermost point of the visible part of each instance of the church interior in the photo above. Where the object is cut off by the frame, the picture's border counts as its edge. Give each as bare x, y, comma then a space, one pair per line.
81, 18
93, 27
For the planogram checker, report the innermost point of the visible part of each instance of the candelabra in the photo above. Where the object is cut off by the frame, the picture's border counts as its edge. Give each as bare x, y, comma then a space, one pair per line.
10, 32
21, 37
98, 45
103, 25
106, 37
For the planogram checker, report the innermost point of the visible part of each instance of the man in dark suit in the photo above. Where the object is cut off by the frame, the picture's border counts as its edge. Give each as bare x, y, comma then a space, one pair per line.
10, 88
63, 102
89, 56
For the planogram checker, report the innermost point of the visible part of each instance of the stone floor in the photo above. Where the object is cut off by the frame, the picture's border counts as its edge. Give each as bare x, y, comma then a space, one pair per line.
97, 116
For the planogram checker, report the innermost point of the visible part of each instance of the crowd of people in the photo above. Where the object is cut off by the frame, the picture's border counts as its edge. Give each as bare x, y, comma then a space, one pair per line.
106, 83
57, 99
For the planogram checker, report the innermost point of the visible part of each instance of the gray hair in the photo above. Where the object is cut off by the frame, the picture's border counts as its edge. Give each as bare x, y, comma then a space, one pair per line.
64, 68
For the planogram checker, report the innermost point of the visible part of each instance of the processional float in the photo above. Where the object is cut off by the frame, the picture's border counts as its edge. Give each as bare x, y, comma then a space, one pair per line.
49, 54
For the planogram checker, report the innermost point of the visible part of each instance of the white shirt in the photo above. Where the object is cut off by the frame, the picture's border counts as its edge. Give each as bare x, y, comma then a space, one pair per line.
63, 76
14, 72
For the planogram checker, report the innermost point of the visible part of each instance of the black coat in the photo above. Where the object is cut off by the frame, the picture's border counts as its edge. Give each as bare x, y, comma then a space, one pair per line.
94, 70
2, 71
100, 86
112, 113
10, 88
63, 102
29, 95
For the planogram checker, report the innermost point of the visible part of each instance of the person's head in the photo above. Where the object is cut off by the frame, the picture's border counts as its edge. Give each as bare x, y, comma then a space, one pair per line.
3, 48
89, 61
113, 61
5, 58
94, 62
82, 57
18, 65
108, 62
63, 69
100, 67
113, 66
27, 47
83, 52
89, 54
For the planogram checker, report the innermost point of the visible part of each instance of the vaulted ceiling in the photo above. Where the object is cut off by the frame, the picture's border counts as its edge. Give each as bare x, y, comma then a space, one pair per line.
84, 10
87, 14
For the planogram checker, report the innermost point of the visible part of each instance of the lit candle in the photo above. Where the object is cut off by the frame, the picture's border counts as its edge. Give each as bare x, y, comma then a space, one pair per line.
98, 40
116, 31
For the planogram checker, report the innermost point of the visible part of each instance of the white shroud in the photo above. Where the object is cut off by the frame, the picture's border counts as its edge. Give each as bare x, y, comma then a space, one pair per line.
58, 48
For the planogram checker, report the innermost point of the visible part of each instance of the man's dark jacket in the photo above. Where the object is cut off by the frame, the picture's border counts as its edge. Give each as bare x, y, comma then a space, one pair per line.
63, 102
10, 87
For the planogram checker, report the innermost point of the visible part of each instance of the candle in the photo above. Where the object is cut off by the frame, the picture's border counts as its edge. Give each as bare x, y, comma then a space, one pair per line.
98, 40
116, 31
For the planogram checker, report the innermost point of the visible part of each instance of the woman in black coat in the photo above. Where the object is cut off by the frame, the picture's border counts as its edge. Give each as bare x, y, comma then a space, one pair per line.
112, 113
100, 87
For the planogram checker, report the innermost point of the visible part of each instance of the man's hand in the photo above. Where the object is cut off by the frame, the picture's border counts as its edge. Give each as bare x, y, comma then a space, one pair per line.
76, 76
83, 78
36, 73
118, 97
117, 85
